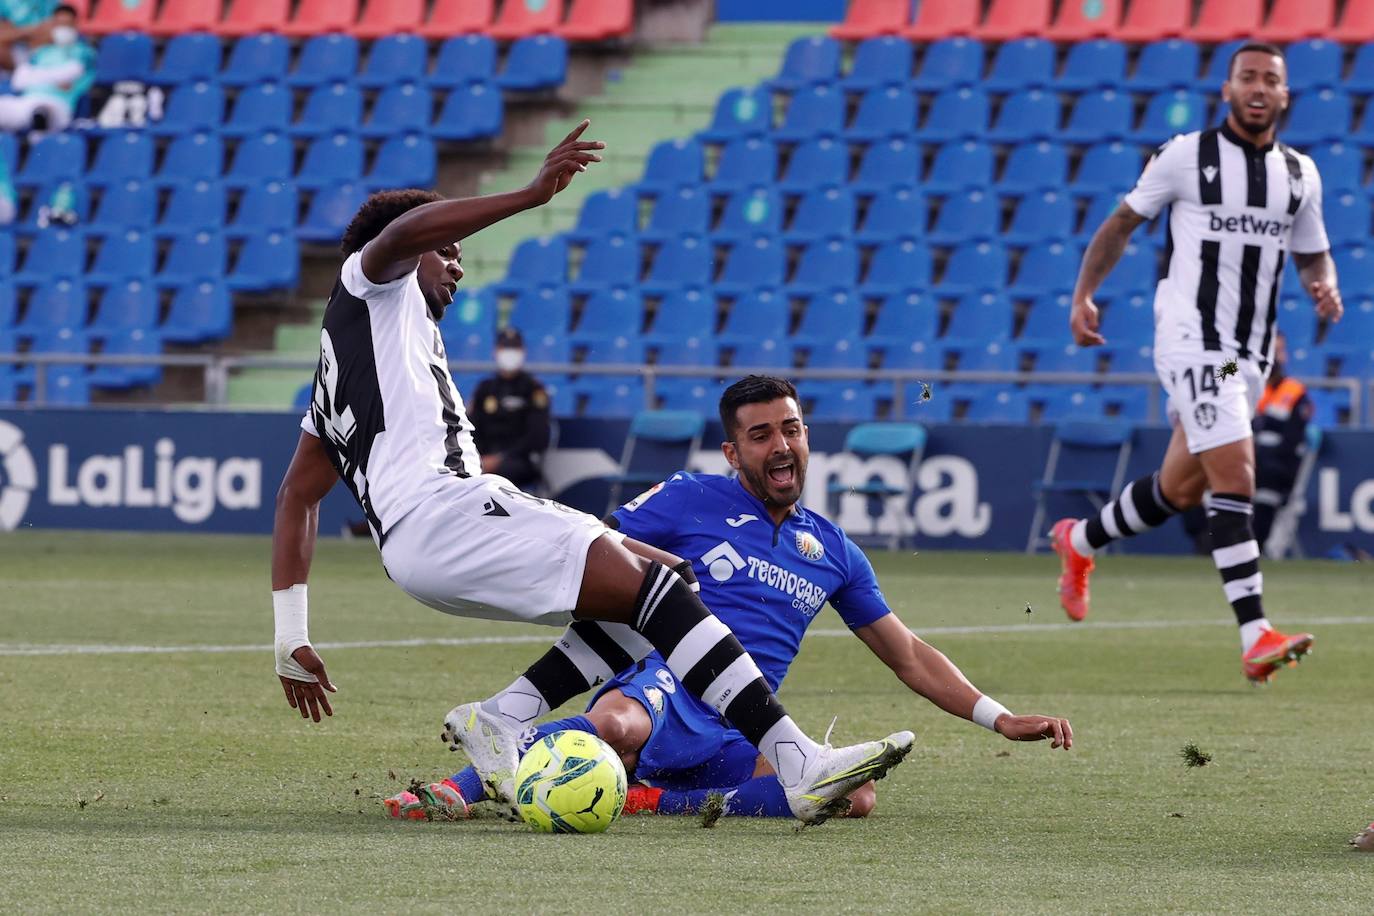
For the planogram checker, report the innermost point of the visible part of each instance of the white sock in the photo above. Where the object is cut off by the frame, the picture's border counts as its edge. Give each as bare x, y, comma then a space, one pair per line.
788, 749
1250, 633
519, 704
1078, 538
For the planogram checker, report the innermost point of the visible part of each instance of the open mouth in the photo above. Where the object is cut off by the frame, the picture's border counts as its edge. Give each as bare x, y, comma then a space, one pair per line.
1256, 107
783, 474
451, 289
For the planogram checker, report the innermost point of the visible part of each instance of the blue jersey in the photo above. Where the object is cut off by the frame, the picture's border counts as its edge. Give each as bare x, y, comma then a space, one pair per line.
765, 583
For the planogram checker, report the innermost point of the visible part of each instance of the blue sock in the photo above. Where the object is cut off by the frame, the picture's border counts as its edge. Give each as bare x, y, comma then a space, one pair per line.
759, 797
470, 784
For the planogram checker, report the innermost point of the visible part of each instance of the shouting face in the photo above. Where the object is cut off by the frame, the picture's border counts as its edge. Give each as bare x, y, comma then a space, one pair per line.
769, 449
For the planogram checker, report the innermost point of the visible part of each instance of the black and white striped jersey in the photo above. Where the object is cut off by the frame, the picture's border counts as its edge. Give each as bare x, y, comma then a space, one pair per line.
383, 402
1236, 210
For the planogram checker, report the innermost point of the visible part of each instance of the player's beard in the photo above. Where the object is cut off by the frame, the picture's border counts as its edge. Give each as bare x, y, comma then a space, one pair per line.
769, 492
1241, 114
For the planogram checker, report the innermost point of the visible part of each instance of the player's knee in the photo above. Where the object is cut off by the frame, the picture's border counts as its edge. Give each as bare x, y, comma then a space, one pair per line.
862, 800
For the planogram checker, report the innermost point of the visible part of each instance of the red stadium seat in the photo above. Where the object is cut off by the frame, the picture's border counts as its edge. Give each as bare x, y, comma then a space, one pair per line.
316, 17
1224, 20
249, 17
178, 16
871, 18
458, 17
1357, 23
1155, 20
1294, 20
110, 16
517, 20
1011, 19
597, 20
943, 18
388, 17
1080, 20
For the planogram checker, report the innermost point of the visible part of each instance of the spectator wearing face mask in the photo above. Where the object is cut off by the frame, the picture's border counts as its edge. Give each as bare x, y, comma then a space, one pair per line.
510, 411
47, 84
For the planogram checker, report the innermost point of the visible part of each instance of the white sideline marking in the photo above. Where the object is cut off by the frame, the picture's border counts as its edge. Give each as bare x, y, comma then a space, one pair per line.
17, 649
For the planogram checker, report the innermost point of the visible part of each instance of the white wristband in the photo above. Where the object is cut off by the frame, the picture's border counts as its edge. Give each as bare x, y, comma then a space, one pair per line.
289, 611
986, 711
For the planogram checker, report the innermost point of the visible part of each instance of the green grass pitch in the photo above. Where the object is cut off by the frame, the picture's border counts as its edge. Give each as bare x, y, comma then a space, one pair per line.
182, 782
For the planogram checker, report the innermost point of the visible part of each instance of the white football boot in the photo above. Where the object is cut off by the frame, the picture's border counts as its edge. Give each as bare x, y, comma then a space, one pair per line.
823, 790
493, 745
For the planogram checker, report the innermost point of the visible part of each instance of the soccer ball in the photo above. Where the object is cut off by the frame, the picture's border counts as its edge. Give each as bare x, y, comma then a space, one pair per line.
570, 782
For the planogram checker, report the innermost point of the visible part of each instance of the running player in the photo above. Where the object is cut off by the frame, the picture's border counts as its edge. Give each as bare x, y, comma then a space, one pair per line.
1239, 202
386, 418
768, 566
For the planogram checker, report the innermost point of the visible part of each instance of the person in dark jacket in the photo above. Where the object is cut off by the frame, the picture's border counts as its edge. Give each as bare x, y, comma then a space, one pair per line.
1280, 440
510, 411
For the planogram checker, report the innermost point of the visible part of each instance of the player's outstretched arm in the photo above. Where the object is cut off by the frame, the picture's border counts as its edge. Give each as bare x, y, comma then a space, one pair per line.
396, 250
1318, 273
295, 524
1103, 252
928, 672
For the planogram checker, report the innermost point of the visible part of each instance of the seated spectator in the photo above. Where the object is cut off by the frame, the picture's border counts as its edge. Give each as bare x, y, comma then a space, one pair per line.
49, 81
21, 20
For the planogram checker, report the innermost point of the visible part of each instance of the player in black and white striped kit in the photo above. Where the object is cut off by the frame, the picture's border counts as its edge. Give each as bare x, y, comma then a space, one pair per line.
386, 418
1240, 204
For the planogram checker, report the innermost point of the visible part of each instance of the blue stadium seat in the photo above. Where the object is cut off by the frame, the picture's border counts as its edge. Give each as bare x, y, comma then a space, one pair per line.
394, 59
980, 317
256, 59
888, 164
997, 404
266, 262
688, 394
896, 267
399, 108
330, 107
967, 216
188, 58
1100, 206
1061, 403
1298, 320
949, 62
56, 157
808, 61
825, 266
260, 159
7, 252
684, 312
900, 213
1032, 114
535, 62
822, 213
1093, 66
55, 253
124, 56
127, 255
1170, 64
831, 315
759, 315
973, 355
195, 156
1022, 64
817, 164
1170, 113
1330, 407
686, 210
193, 256
686, 260
471, 112
68, 386
1046, 267
201, 310
1355, 267
959, 166
1129, 403
1319, 116
1047, 320
129, 342
266, 106
1313, 64
1034, 166
464, 59
622, 349
612, 210
1098, 117
69, 196
609, 260
757, 353
536, 261
1129, 319
1136, 272
839, 401
132, 303
816, 111
671, 164
739, 112
613, 397
9, 310
1361, 78
752, 264
614, 311
469, 326
972, 267
1346, 214
889, 111
325, 59
543, 311
1064, 356
407, 160
744, 163
61, 302
1111, 167
331, 159
882, 61
1340, 165
903, 326
122, 155
956, 114
1217, 67
191, 107
329, 212
1044, 215
757, 211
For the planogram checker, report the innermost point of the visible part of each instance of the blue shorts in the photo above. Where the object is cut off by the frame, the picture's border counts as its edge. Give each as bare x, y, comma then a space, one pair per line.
690, 746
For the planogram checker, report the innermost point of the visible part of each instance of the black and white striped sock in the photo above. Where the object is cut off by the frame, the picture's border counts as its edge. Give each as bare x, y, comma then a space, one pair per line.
1140, 507
1237, 553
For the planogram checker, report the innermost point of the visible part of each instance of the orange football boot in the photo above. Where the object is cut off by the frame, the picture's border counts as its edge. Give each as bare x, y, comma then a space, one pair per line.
641, 799
1073, 580
435, 797
1271, 651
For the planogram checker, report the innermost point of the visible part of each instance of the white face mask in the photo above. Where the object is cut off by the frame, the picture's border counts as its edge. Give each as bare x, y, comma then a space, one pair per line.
63, 35
509, 360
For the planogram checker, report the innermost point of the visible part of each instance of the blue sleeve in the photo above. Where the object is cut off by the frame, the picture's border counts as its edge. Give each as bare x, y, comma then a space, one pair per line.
654, 516
860, 602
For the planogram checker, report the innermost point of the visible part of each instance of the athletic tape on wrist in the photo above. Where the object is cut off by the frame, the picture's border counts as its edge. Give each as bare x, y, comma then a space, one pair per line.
290, 613
986, 711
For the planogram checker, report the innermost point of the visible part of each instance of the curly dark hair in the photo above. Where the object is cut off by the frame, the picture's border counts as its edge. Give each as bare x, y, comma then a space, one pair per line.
378, 211
752, 389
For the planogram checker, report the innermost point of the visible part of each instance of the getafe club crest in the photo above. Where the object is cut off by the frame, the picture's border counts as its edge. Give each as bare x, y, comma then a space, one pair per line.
808, 546
655, 698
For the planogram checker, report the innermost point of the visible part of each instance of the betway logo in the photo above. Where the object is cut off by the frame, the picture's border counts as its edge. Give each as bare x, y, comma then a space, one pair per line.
1247, 225
191, 487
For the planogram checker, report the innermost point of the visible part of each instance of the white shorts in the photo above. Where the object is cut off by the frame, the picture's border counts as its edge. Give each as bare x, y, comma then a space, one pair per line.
1212, 411
482, 548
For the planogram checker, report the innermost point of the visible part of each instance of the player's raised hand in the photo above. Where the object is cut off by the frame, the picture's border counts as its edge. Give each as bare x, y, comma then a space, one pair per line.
1327, 300
564, 161
309, 697
1036, 728
1083, 322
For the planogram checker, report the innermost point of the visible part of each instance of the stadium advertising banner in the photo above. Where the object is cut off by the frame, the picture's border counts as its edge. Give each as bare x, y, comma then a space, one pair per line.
974, 487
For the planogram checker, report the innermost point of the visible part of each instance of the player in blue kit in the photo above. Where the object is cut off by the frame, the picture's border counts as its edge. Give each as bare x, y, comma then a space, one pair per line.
766, 566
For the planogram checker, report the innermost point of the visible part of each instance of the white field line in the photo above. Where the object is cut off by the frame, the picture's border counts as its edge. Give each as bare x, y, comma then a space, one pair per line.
21, 649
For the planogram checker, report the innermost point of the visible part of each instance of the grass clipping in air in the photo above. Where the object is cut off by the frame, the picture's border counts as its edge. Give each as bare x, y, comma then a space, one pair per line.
1194, 757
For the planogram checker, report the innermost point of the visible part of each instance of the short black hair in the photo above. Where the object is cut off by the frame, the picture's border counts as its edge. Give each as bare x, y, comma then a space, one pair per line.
752, 389
378, 211
1263, 47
